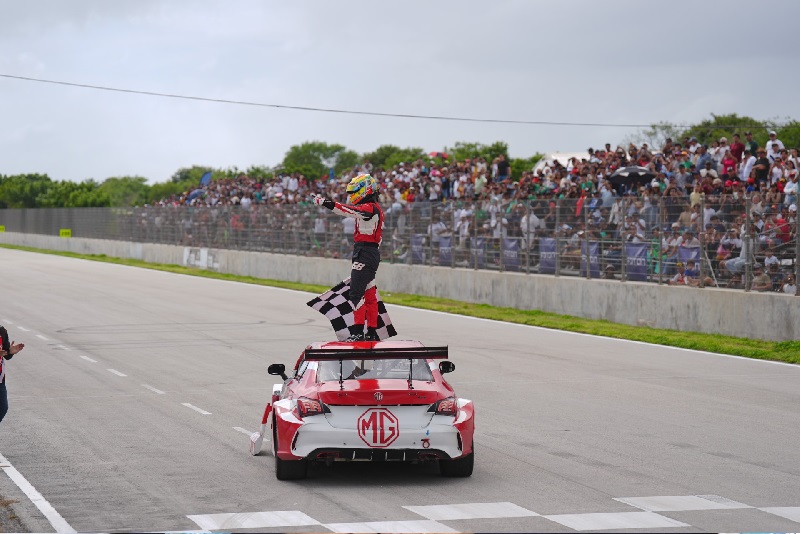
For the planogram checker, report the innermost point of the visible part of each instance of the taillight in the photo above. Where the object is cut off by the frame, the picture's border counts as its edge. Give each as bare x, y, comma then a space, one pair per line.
444, 407
308, 407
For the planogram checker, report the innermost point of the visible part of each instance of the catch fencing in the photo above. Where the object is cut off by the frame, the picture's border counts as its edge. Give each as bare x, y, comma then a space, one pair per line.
627, 239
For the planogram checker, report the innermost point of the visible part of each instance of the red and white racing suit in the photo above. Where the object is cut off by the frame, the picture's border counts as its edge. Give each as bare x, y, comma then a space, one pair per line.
366, 257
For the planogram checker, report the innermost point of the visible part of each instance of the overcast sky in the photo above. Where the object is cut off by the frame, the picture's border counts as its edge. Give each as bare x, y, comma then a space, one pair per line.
585, 61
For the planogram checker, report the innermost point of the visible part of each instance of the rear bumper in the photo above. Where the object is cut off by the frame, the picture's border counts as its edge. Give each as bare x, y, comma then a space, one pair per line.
313, 438
377, 455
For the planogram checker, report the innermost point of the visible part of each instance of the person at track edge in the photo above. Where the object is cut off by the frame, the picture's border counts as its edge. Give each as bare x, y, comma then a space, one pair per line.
7, 351
363, 206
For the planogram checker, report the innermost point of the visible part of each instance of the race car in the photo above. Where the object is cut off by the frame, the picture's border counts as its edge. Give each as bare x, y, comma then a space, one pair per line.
367, 401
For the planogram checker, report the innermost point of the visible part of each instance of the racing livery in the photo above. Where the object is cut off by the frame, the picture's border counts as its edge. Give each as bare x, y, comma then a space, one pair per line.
368, 401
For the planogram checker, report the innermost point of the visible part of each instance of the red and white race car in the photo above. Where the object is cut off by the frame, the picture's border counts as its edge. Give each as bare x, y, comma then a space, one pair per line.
382, 401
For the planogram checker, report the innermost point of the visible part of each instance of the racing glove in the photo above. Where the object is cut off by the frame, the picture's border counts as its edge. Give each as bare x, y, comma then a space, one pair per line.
322, 201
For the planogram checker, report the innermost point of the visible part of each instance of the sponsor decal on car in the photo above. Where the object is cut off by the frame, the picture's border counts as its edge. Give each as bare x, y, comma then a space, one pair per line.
378, 427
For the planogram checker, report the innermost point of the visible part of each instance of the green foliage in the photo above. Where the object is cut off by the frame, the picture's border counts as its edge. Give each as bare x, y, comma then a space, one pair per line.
789, 134
405, 155
519, 165
66, 194
462, 151
719, 126
259, 172
312, 159
346, 160
125, 190
380, 155
165, 190
191, 174
23, 190
655, 136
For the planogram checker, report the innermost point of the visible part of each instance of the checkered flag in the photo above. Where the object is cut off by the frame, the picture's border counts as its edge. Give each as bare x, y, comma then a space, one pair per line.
335, 304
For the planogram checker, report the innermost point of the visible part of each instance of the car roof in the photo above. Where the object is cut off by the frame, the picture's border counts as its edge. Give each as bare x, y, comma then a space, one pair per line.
399, 344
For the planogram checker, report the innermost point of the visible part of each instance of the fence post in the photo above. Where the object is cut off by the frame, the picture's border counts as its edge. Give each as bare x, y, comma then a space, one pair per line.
661, 223
587, 264
623, 252
556, 238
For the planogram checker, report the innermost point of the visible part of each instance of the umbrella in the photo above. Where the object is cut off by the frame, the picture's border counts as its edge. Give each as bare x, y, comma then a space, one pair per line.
632, 175
441, 155
194, 194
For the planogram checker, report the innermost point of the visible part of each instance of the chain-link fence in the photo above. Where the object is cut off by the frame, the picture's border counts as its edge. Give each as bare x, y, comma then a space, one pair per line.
722, 241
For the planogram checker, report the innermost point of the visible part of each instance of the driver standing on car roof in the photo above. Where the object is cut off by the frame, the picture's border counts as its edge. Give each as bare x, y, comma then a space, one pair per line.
364, 208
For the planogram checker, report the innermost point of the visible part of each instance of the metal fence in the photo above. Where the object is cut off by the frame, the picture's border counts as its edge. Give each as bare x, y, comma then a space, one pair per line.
723, 238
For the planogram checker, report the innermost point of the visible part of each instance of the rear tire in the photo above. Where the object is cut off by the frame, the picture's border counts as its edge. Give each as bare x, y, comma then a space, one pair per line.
286, 469
290, 469
460, 467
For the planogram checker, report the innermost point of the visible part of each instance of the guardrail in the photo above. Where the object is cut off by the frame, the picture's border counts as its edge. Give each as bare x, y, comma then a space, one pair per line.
626, 239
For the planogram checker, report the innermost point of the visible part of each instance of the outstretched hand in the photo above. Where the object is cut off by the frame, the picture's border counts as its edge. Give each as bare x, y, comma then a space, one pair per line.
320, 200
12, 350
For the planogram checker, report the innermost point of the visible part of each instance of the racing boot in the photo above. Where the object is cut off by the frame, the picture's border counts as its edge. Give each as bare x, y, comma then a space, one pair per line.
371, 334
356, 333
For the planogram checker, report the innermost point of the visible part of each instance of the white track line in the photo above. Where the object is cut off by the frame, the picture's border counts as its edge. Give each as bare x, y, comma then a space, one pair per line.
23, 329
204, 412
116, 372
7, 321
59, 523
154, 390
62, 347
88, 359
243, 430
40, 336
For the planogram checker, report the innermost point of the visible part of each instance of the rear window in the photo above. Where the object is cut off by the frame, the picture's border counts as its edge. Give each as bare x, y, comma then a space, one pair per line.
374, 369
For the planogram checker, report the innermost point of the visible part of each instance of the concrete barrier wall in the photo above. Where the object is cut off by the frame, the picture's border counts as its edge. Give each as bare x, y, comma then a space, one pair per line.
767, 316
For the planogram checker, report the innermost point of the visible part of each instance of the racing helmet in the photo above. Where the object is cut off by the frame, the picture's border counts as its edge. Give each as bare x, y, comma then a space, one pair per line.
361, 188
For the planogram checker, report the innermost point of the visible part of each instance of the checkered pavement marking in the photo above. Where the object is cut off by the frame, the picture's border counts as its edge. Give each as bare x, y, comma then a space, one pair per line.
646, 518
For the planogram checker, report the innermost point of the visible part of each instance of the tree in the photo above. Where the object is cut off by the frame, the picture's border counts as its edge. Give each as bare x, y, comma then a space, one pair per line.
404, 155
789, 134
462, 151
66, 194
655, 136
164, 190
191, 174
23, 190
312, 159
125, 190
347, 159
718, 126
380, 155
518, 165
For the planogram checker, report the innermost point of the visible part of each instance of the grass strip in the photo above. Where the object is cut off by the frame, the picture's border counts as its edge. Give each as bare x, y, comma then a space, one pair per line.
783, 351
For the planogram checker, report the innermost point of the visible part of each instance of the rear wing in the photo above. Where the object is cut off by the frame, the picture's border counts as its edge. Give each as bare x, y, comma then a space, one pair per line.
404, 353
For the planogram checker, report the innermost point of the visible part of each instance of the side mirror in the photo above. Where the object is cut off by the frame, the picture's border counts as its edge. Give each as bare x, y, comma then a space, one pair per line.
446, 367
277, 369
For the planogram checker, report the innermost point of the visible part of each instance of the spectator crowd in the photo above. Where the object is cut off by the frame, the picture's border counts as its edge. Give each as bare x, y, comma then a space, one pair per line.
734, 199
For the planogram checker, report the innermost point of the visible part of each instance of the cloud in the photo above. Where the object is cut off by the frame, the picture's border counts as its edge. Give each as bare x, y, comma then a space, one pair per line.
619, 61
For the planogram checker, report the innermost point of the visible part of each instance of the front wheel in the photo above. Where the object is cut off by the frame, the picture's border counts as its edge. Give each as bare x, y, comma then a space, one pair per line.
460, 467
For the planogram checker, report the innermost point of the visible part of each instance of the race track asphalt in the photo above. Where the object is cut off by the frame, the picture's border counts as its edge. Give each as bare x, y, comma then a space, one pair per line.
574, 432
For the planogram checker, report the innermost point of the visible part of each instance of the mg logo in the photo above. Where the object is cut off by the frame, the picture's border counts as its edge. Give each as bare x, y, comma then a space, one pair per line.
378, 395
378, 427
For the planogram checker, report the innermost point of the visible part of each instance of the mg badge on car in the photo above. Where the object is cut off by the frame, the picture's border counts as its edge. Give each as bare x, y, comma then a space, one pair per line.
378, 427
378, 395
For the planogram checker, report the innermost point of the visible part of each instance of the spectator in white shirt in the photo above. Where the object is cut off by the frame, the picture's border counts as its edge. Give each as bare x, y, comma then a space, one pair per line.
773, 139
748, 164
